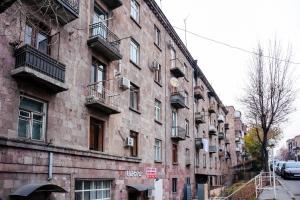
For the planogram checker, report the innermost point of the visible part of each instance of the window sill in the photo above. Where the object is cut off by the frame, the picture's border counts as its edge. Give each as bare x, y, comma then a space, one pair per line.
158, 122
134, 110
136, 65
157, 46
137, 23
158, 83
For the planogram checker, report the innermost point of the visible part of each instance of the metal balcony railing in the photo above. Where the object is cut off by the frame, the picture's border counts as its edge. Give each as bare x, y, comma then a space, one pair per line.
199, 117
71, 4
212, 149
100, 30
212, 130
178, 133
177, 100
102, 98
221, 136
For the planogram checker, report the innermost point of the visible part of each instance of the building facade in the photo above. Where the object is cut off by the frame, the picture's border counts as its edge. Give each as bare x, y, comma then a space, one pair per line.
293, 145
101, 100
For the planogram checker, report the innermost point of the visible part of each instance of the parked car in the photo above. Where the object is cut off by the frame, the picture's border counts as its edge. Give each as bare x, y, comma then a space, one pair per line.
290, 170
278, 168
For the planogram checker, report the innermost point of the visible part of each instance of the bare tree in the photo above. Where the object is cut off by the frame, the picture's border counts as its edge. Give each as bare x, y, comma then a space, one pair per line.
269, 94
283, 154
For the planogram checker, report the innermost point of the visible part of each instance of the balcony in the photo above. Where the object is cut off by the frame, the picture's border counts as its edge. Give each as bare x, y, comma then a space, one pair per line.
199, 118
237, 149
102, 99
212, 149
221, 153
177, 68
226, 126
104, 41
212, 130
64, 11
198, 143
4, 4
227, 141
113, 4
187, 161
211, 109
177, 100
221, 119
237, 139
198, 92
39, 69
221, 136
178, 133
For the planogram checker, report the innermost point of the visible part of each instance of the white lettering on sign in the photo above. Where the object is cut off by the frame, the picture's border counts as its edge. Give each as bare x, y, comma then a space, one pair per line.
133, 173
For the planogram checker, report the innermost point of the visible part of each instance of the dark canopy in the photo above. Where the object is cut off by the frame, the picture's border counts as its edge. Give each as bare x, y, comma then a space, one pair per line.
28, 189
140, 187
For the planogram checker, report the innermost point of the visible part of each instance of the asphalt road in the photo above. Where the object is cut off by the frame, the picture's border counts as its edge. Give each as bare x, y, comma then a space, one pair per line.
293, 187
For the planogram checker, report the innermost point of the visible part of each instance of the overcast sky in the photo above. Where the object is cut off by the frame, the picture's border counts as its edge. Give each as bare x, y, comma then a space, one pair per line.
242, 24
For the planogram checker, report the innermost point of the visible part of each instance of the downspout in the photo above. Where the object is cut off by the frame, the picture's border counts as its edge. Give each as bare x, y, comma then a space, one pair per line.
50, 166
166, 100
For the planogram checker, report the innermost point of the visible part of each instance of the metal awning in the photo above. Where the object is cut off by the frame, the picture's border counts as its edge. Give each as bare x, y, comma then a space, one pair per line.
28, 189
141, 187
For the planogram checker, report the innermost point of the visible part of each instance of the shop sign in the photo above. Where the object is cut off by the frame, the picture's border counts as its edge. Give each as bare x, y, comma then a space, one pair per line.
151, 172
133, 173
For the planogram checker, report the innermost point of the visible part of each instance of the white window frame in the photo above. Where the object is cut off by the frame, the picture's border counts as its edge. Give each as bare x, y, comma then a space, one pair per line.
157, 110
93, 188
157, 150
157, 36
135, 10
134, 52
31, 120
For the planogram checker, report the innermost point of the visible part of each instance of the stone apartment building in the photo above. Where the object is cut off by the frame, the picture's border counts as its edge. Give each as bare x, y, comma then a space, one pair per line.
100, 99
293, 145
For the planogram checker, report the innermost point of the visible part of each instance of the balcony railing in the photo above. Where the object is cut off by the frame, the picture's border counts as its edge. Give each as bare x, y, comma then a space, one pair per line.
178, 133
221, 118
227, 141
177, 100
177, 68
103, 99
104, 41
226, 126
37, 67
211, 109
221, 136
237, 139
198, 92
212, 149
198, 143
199, 117
212, 130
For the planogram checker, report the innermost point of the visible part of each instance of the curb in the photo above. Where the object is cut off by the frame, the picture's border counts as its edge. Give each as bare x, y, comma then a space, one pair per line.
292, 196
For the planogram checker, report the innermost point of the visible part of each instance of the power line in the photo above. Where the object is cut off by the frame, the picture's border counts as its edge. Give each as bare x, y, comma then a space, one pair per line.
232, 46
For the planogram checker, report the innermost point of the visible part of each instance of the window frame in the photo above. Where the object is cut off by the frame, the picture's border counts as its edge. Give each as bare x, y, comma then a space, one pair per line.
135, 11
101, 138
174, 153
134, 150
134, 96
31, 119
93, 188
204, 161
157, 75
157, 110
157, 150
157, 36
187, 127
134, 46
174, 185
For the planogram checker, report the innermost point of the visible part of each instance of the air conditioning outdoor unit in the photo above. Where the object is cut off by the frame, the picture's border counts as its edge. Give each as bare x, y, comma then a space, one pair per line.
124, 83
129, 142
155, 65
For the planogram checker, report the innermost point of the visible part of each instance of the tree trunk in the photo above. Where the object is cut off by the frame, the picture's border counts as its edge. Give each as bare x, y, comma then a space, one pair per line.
265, 156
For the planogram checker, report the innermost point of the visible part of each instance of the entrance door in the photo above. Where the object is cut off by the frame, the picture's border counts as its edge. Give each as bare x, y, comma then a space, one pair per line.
133, 196
158, 189
98, 77
100, 21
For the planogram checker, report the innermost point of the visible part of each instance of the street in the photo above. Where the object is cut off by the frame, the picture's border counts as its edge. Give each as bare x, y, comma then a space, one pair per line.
293, 186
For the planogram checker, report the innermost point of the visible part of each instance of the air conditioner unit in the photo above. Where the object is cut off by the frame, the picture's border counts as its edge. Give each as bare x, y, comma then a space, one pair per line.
129, 142
155, 65
124, 83
171, 44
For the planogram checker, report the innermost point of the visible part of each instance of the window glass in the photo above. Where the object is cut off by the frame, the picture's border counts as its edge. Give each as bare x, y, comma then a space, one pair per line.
134, 13
134, 149
157, 150
42, 42
134, 52
134, 97
157, 108
157, 74
174, 184
28, 34
92, 190
100, 22
157, 36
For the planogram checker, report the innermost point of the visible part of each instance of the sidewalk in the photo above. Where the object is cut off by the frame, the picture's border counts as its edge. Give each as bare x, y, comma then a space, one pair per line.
281, 194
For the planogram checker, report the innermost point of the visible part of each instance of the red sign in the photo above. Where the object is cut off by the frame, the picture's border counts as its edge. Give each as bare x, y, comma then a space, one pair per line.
151, 172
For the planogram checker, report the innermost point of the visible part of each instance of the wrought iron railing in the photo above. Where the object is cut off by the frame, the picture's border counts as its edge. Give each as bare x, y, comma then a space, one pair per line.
178, 132
98, 92
100, 30
29, 56
71, 4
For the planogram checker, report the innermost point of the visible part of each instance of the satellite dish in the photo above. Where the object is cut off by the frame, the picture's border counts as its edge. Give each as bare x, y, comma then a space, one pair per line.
174, 82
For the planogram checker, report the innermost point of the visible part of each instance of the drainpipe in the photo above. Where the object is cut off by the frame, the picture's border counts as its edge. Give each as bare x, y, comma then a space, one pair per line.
50, 166
166, 100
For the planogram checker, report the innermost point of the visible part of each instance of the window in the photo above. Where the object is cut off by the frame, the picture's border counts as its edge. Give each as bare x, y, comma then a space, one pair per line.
37, 36
186, 98
174, 185
98, 71
134, 52
173, 58
187, 132
185, 70
96, 135
188, 180
135, 11
157, 36
157, 109
100, 22
32, 119
92, 189
204, 160
174, 123
197, 160
210, 161
174, 153
134, 148
134, 96
157, 150
216, 163
157, 75
187, 156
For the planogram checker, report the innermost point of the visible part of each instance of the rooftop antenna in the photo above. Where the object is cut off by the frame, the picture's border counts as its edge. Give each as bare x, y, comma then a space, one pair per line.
160, 4
184, 21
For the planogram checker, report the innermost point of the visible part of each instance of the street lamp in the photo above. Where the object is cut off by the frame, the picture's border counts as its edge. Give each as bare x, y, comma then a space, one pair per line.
272, 145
